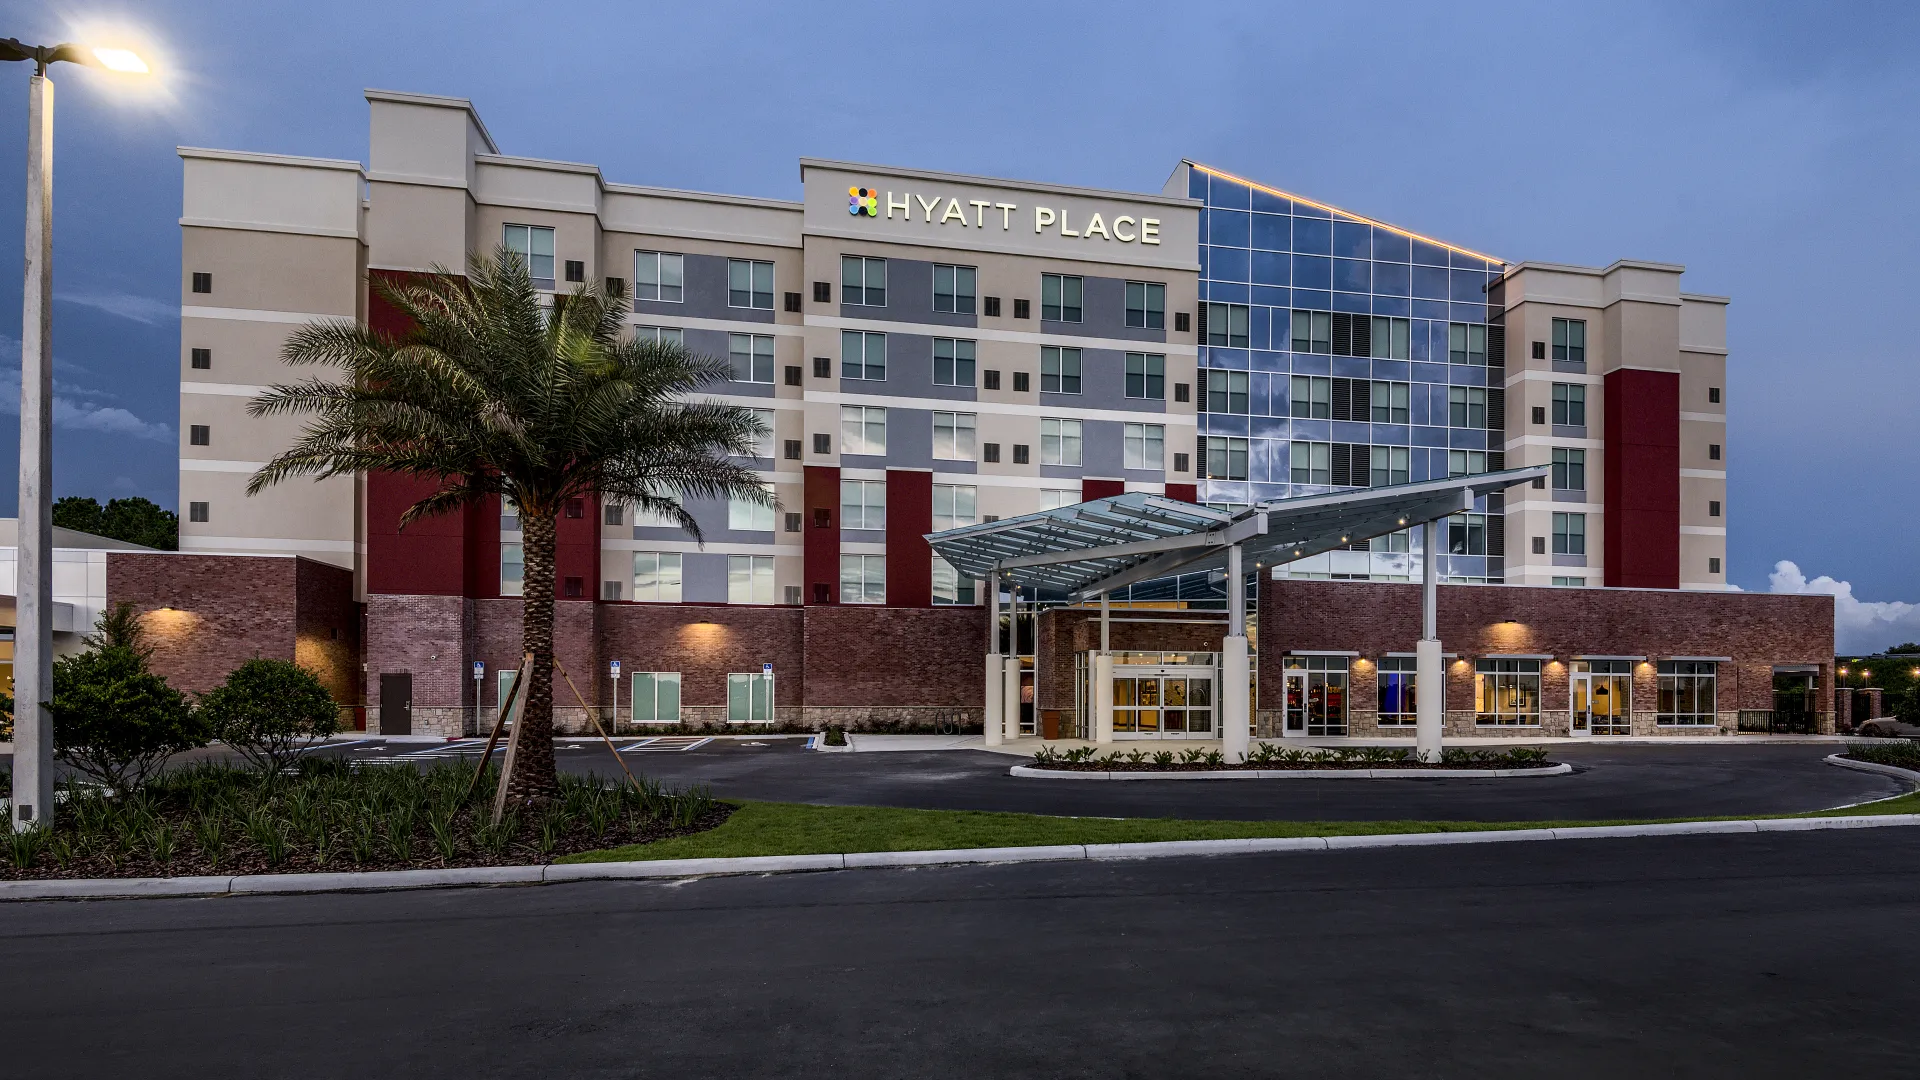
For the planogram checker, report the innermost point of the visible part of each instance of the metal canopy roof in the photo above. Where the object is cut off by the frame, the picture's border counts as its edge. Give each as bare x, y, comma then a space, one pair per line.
1104, 544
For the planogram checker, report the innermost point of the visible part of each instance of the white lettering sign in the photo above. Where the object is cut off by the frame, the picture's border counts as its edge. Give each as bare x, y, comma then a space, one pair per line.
951, 210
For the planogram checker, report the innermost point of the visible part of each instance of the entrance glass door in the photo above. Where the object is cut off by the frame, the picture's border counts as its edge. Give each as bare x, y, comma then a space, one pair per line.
1163, 703
1602, 697
1316, 696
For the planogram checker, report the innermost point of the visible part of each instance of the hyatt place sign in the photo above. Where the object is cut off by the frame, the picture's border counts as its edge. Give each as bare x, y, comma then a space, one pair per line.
950, 210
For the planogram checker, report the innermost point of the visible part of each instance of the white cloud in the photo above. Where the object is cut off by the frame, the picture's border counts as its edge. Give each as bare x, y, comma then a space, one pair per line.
74, 407
140, 309
1859, 626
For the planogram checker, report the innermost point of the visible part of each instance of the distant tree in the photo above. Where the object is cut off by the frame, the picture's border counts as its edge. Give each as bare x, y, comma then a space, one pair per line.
1908, 647
133, 519
81, 513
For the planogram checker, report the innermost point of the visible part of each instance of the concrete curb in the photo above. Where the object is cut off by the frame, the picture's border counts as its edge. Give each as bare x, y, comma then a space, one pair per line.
266, 884
1844, 762
1032, 773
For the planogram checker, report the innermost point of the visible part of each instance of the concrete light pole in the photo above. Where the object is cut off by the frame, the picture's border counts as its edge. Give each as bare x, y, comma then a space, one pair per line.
33, 604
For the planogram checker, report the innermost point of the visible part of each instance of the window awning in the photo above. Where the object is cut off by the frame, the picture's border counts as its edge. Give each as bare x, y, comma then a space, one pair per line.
1104, 544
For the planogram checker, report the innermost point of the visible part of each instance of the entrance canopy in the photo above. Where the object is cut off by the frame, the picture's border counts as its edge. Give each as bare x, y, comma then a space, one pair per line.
1104, 544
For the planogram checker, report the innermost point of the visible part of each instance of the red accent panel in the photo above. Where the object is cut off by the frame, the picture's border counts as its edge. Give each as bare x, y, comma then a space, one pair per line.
426, 560
1642, 529
822, 563
576, 550
1184, 492
483, 548
1100, 489
909, 557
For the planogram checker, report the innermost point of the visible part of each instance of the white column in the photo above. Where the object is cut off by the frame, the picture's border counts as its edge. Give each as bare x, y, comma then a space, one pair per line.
1106, 619
1236, 712
1429, 674
1103, 698
996, 665
33, 632
1010, 710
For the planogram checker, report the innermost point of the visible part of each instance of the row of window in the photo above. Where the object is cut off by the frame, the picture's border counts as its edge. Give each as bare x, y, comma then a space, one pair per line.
658, 578
863, 430
1507, 692
656, 697
1338, 333
1339, 464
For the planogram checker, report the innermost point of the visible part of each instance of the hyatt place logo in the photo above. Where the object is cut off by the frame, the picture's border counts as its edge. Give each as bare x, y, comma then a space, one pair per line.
863, 201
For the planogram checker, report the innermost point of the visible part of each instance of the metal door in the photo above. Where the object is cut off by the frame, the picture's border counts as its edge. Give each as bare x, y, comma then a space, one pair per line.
396, 703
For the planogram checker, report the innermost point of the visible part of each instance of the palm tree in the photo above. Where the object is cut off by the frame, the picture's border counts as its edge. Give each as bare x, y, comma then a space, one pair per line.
490, 392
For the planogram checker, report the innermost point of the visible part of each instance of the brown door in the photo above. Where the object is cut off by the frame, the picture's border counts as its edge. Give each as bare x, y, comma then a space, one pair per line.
396, 703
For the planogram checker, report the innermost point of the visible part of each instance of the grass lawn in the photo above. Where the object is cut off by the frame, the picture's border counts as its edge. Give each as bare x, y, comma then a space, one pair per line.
761, 828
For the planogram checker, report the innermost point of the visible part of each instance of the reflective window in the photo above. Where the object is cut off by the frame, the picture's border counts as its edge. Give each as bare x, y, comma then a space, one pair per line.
953, 289
656, 576
1147, 305
534, 245
1060, 297
659, 276
953, 362
863, 281
750, 356
749, 284
1146, 376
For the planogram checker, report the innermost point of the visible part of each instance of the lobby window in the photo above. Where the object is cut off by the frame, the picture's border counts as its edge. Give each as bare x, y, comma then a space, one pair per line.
1466, 407
1569, 534
1570, 341
1311, 462
750, 579
656, 577
1466, 462
660, 276
1390, 465
863, 430
656, 697
1688, 693
1467, 344
1467, 534
751, 357
1569, 469
661, 335
953, 436
1396, 680
1508, 692
863, 282
1146, 376
949, 588
1147, 305
1145, 446
1060, 297
513, 569
1060, 442
749, 284
953, 289
1392, 339
1059, 370
1310, 397
197, 512
1224, 458
200, 434
1227, 324
953, 506
1391, 402
745, 515
1226, 391
534, 245
863, 579
1312, 332
863, 355
953, 362
1570, 404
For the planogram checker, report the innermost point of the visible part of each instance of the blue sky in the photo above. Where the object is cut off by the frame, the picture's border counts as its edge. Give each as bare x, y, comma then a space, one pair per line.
1768, 147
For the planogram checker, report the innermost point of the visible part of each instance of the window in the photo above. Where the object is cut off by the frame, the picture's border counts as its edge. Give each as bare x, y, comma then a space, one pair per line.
1390, 465
1687, 693
744, 515
616, 286
751, 356
1713, 507
1570, 404
863, 429
513, 569
863, 579
200, 435
990, 380
1312, 462
953, 290
762, 443
661, 335
1020, 453
1569, 469
1311, 397
1571, 582
202, 359
749, 579
822, 444
953, 436
992, 305
863, 504
863, 282
1146, 376
1570, 341
1569, 534
1390, 401
1060, 442
202, 282
616, 514
659, 276
1397, 542
1226, 391
1145, 446
1022, 308
952, 362
1713, 451
1391, 339
1227, 324
1466, 407
863, 355
1055, 498
197, 511
1539, 414
576, 271
1316, 695
1312, 332
793, 377
948, 586
1059, 370
1466, 343
534, 245
1539, 545
1226, 458
1713, 565
656, 697
1147, 305
1021, 383
1713, 395
1397, 691
793, 520
656, 576
749, 284
509, 515
1467, 534
1060, 297
953, 506
990, 452
750, 698
1508, 692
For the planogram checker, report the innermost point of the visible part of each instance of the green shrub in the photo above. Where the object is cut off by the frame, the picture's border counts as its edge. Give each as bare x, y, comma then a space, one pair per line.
267, 710
1905, 755
836, 736
115, 721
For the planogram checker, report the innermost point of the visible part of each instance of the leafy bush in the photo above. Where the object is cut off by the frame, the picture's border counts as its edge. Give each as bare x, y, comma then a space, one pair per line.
1905, 755
836, 736
115, 721
267, 709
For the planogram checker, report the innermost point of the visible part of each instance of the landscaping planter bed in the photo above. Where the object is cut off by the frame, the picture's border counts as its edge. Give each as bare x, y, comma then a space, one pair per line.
1273, 759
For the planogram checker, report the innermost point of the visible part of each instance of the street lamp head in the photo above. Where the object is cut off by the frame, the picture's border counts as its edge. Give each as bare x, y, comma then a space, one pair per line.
125, 61
122, 60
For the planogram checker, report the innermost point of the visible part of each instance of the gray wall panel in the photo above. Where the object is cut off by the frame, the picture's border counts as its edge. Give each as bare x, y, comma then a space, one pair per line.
706, 295
1103, 313
703, 577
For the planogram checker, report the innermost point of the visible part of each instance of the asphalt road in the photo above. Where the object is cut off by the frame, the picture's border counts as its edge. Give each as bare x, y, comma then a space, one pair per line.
1753, 956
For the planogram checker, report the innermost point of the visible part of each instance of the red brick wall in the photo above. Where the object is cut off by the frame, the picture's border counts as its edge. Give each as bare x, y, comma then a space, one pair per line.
909, 519
424, 635
327, 627
821, 563
205, 615
1066, 632
881, 656
704, 643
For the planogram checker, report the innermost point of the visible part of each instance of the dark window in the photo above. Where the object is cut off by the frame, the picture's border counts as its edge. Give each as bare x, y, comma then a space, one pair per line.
1713, 566
1713, 395
990, 451
953, 361
1146, 376
823, 444
576, 270
992, 307
1539, 414
1227, 391
1226, 459
1570, 404
200, 435
1713, 508
576, 508
616, 514
202, 283
823, 292
1019, 453
1059, 370
863, 281
823, 518
1022, 382
1181, 321
616, 286
609, 590
1022, 309
1713, 451
953, 288
1539, 350
793, 516
990, 380
1540, 483
1180, 391
793, 301
794, 372
1539, 543
202, 359
823, 367
576, 588
1147, 305
196, 511
989, 518
821, 593
749, 284
1570, 341
792, 449
1060, 297
1180, 463
1225, 325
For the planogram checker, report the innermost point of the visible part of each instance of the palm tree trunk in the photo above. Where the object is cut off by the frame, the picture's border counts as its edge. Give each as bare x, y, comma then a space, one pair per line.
533, 778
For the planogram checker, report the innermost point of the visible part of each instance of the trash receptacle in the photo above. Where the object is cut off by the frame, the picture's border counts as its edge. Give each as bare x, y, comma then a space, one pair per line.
1050, 723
